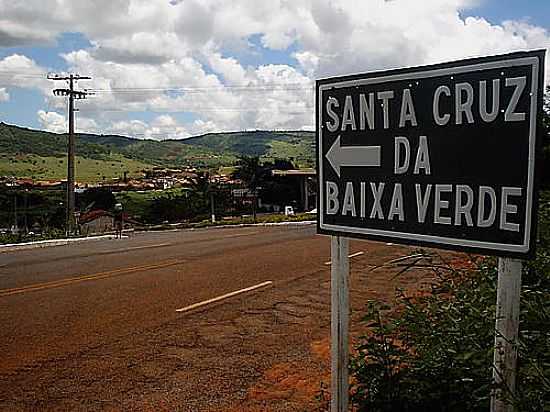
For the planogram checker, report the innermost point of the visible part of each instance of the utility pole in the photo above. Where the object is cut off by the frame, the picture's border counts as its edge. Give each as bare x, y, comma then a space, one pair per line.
72, 95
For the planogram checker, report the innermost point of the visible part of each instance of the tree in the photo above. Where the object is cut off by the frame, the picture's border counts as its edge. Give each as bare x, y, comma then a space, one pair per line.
96, 198
205, 187
252, 174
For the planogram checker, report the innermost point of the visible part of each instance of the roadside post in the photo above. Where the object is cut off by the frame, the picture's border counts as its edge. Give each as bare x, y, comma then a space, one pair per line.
506, 330
339, 322
441, 156
212, 208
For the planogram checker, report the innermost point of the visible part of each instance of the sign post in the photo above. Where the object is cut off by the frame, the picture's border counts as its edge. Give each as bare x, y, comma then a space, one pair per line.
339, 322
506, 331
441, 155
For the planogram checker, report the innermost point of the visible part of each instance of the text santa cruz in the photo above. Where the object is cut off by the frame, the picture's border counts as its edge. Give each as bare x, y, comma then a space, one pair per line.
463, 211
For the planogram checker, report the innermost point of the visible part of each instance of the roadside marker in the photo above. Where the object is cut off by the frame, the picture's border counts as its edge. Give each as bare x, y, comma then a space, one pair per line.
226, 296
350, 256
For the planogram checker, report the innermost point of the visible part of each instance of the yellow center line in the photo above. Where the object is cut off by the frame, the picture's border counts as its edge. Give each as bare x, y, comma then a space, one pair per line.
78, 279
240, 234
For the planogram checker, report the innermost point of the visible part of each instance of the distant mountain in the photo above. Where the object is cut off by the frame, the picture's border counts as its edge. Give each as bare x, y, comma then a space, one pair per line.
33, 153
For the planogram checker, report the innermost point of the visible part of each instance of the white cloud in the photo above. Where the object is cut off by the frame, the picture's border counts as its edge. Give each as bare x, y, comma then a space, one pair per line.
141, 48
52, 121
4, 95
160, 128
129, 128
17, 70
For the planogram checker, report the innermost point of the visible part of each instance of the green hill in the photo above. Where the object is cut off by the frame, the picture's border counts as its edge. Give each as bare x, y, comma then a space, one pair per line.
297, 145
41, 155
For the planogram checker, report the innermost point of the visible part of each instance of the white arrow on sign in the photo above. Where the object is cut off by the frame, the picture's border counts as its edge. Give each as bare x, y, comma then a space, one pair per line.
355, 156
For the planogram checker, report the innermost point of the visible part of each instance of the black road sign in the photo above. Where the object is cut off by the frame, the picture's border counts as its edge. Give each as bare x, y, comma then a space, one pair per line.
441, 155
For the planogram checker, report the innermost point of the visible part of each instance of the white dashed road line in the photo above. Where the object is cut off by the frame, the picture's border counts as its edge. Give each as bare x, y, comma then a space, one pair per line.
222, 297
350, 256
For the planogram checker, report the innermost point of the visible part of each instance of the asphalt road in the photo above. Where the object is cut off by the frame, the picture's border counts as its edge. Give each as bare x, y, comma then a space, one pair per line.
95, 325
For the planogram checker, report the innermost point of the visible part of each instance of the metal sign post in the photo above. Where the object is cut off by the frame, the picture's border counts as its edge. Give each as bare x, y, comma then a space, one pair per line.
506, 331
339, 322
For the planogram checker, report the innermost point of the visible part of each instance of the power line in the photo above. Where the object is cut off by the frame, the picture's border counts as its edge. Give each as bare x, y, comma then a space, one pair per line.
20, 74
201, 109
272, 87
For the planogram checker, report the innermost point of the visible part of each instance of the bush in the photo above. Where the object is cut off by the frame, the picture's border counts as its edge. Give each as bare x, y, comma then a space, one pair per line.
434, 356
435, 352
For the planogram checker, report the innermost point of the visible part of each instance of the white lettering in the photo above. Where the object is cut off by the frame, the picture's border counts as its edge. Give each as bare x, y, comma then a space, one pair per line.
366, 111
439, 119
507, 208
332, 127
485, 191
485, 115
376, 206
422, 157
440, 204
332, 198
407, 109
464, 209
510, 115
422, 201
348, 205
464, 106
348, 118
401, 141
396, 205
363, 199
385, 97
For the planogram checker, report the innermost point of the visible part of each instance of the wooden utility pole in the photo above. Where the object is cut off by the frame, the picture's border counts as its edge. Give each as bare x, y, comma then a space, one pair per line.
72, 95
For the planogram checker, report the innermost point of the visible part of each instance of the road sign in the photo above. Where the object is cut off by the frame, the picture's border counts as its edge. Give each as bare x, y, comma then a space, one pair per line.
440, 155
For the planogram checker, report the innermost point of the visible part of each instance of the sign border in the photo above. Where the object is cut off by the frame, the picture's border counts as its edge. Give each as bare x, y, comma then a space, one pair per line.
527, 248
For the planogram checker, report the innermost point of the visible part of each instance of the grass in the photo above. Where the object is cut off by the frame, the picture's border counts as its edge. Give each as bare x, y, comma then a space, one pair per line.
55, 168
301, 152
137, 203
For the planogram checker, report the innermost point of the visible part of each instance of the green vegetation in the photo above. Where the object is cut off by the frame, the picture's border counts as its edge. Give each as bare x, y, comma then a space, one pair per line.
296, 146
235, 221
252, 173
138, 204
27, 208
87, 170
32, 153
264, 219
435, 351
546, 141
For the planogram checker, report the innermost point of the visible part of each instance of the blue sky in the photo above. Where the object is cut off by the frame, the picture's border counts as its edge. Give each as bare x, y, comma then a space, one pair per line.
536, 12
275, 53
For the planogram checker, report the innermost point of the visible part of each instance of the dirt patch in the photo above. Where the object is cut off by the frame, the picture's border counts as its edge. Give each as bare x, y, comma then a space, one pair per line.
292, 385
